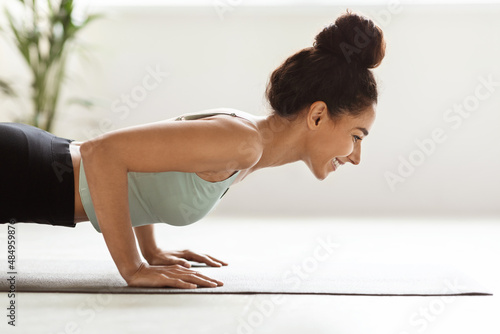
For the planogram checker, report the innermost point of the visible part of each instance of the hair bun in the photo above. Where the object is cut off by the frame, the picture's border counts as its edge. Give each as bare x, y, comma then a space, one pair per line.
353, 38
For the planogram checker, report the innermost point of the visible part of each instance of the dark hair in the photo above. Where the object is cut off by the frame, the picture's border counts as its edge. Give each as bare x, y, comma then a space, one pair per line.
335, 70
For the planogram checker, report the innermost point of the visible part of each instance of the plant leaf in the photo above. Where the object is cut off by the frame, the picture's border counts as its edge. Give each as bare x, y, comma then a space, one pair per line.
7, 89
87, 103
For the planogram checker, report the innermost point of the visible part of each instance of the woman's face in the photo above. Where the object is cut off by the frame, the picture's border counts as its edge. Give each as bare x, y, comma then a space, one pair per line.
334, 143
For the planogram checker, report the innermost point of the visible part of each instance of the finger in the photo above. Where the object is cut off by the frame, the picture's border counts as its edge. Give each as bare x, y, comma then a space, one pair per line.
177, 266
180, 270
177, 260
219, 283
221, 262
192, 256
200, 280
161, 280
184, 271
183, 263
205, 259
178, 283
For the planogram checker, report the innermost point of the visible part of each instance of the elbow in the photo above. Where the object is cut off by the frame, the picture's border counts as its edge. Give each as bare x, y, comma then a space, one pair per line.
86, 149
91, 148
101, 152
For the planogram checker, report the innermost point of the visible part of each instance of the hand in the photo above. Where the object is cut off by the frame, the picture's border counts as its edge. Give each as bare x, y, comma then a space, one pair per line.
161, 257
175, 276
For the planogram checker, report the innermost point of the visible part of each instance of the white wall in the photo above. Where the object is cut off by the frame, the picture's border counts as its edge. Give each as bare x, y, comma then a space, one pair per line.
435, 57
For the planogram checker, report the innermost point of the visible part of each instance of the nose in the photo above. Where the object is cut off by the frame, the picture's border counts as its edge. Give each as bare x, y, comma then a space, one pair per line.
355, 156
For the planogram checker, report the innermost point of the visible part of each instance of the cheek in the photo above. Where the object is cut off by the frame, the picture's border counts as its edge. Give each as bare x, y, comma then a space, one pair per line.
344, 148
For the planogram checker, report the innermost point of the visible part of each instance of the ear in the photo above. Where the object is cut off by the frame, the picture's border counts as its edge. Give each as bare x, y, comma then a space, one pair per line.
317, 115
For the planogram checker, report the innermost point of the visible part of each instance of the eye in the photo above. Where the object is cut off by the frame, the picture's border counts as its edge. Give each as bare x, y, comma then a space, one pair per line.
356, 138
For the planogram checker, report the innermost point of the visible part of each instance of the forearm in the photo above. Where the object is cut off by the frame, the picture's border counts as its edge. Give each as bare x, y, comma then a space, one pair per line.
146, 239
108, 186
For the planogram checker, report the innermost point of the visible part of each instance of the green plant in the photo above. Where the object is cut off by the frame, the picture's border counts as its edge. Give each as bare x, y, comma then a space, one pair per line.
44, 38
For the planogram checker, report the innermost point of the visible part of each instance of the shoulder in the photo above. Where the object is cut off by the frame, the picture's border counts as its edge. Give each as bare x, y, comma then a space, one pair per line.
243, 136
240, 135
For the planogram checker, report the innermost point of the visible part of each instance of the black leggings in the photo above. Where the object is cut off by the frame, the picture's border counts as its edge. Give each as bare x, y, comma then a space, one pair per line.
36, 177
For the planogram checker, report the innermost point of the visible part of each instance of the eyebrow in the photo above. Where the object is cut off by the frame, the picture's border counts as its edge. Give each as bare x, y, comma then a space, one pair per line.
365, 132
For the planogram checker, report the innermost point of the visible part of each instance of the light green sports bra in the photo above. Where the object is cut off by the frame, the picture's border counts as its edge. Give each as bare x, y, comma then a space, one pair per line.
175, 198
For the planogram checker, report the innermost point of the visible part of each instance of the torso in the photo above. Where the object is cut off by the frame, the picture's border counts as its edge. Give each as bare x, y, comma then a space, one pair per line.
210, 176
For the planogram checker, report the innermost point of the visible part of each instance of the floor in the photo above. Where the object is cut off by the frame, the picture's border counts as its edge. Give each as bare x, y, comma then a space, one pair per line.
472, 246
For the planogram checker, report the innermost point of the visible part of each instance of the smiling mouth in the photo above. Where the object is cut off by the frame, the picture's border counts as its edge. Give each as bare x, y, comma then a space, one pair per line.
336, 164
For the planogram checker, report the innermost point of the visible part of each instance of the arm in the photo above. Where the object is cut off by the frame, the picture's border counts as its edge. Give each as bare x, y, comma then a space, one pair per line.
108, 185
197, 146
146, 239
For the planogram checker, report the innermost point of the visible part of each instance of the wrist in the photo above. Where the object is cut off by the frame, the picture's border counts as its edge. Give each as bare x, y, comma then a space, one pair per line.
150, 253
130, 271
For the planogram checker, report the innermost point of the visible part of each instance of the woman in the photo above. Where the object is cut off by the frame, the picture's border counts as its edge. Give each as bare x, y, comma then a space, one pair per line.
176, 171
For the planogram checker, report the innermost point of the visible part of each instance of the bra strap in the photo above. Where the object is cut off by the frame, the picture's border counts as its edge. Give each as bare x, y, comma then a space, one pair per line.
197, 116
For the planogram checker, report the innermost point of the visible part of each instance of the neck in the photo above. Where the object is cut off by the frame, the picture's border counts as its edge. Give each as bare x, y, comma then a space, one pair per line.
281, 141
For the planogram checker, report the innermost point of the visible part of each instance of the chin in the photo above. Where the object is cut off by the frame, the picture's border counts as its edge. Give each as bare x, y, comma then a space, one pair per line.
321, 175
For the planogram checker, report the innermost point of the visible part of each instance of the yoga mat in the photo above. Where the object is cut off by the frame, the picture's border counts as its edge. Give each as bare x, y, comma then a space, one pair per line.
256, 277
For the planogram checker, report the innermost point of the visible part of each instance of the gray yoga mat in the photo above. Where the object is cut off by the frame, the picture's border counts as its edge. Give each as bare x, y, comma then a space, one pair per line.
257, 277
